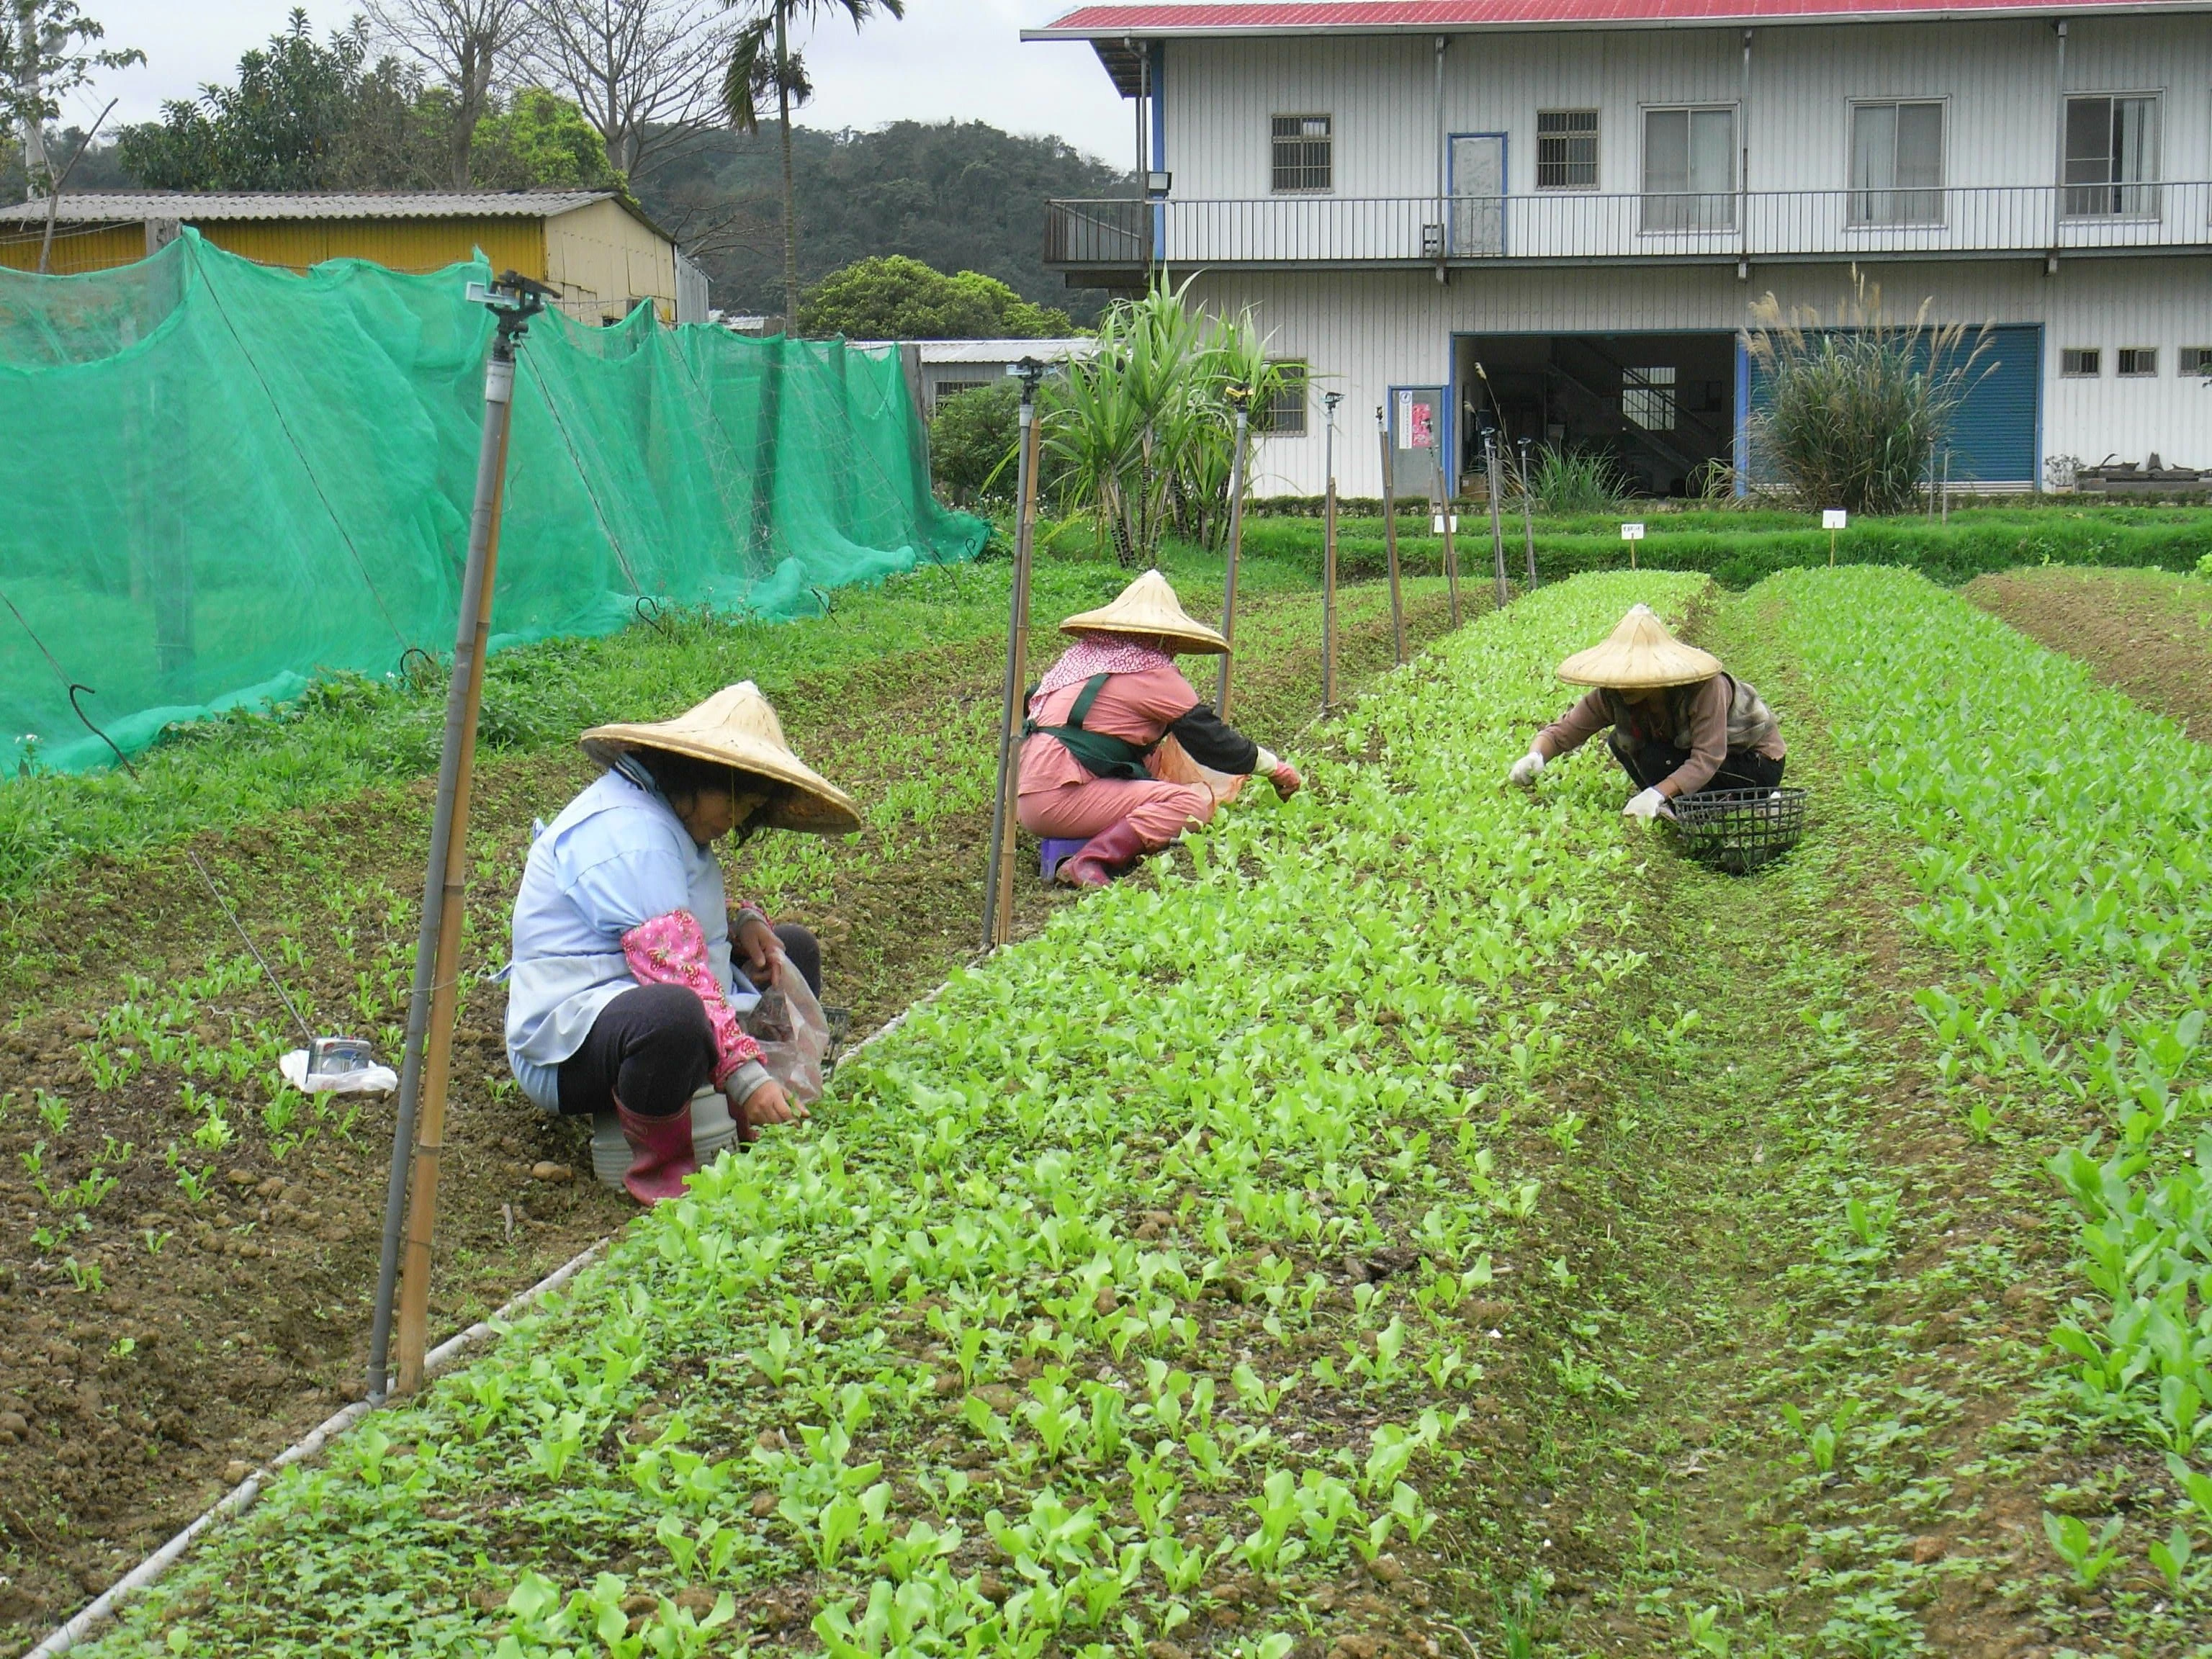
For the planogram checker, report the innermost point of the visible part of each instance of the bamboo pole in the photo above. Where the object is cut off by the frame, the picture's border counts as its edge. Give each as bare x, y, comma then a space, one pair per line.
1238, 396
1497, 529
1390, 535
998, 889
418, 1136
1329, 400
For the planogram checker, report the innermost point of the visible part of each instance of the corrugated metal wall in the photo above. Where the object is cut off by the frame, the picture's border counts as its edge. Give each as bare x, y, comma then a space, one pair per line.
1363, 333
416, 245
603, 261
76, 250
1997, 78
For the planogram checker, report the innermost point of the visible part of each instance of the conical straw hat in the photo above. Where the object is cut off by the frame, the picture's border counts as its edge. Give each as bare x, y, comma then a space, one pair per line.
1639, 655
737, 727
1148, 607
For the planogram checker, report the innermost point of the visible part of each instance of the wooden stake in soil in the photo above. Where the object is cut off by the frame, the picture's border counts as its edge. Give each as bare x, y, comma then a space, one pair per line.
1451, 553
998, 889
1390, 535
1497, 529
1238, 398
1527, 518
1329, 400
418, 1136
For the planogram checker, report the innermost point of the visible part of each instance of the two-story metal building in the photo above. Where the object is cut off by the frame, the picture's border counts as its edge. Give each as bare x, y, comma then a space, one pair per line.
1553, 217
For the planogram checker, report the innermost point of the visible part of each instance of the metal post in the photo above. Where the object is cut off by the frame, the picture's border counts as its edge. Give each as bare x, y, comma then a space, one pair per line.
418, 1135
999, 888
1390, 535
1527, 518
1497, 529
1329, 401
1947, 485
1239, 397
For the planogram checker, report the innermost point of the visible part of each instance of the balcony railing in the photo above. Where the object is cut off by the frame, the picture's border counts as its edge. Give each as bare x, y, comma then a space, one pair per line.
1336, 230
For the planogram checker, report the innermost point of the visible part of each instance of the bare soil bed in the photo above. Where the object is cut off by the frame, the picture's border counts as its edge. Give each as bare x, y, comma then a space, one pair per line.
155, 1346
2148, 633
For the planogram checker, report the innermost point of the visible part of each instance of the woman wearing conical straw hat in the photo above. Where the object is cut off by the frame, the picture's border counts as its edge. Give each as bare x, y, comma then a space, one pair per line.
1679, 724
627, 989
1094, 765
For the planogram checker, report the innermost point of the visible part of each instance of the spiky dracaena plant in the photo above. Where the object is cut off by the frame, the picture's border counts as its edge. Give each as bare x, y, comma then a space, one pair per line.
1857, 407
1141, 435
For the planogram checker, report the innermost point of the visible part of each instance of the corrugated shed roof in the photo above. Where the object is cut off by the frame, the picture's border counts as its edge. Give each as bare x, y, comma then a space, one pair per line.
990, 351
1158, 19
216, 207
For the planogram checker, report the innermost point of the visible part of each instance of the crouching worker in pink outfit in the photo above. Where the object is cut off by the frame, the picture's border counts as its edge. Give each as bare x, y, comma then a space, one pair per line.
1114, 743
626, 994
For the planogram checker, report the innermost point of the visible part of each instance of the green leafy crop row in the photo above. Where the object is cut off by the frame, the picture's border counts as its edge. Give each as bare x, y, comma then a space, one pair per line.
1042, 1335
2063, 841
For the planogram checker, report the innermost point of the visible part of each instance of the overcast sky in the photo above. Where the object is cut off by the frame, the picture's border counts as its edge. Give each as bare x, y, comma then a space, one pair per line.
949, 58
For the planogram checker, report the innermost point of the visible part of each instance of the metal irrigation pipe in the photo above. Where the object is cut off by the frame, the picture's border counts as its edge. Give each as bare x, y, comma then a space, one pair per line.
1329, 401
418, 1135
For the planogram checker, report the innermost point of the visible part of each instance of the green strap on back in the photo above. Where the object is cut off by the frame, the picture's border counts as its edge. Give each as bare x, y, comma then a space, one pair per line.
1099, 754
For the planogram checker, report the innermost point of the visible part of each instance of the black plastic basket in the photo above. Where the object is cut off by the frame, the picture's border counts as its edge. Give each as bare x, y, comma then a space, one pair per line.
1741, 830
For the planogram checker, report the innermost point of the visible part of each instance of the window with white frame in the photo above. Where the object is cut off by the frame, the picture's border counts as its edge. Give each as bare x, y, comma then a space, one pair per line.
1303, 159
1689, 169
2081, 362
1566, 150
1897, 162
2136, 362
1284, 415
2112, 156
1647, 397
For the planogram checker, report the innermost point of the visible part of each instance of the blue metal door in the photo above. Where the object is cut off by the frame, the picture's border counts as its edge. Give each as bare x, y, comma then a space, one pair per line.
1996, 435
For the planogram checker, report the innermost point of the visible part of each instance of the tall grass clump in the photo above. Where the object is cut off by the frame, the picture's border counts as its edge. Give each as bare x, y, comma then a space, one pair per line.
1141, 437
1563, 480
1857, 408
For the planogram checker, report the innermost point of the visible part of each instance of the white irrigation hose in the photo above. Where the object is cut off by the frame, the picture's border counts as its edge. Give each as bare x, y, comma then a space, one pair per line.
241, 1497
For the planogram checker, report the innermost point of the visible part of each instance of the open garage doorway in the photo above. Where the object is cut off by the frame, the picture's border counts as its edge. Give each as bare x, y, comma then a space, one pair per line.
1662, 406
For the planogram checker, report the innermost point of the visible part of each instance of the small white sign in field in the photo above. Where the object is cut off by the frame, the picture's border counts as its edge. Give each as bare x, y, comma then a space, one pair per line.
1831, 518
1631, 532
1437, 523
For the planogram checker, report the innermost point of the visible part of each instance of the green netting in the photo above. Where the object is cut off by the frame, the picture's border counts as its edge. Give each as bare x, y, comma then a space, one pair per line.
227, 479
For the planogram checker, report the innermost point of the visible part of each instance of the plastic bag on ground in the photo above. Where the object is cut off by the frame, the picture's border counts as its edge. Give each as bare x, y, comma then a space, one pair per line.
793, 1032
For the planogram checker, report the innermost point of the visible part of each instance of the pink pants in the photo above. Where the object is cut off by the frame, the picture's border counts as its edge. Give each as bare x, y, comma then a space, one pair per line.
1159, 811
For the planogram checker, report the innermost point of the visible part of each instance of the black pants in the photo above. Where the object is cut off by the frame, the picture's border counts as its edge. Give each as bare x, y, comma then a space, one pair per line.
652, 1047
1648, 764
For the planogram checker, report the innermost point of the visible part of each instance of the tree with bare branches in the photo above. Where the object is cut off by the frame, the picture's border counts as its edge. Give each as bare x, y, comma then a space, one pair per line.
641, 71
469, 46
760, 62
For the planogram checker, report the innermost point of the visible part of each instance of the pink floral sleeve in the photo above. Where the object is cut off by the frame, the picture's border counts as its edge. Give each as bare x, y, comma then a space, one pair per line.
670, 950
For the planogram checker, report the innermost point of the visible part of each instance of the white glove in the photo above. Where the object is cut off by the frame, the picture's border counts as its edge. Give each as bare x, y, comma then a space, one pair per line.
1648, 804
1525, 769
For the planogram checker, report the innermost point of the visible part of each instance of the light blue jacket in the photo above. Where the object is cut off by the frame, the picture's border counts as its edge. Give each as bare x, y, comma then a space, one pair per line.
616, 857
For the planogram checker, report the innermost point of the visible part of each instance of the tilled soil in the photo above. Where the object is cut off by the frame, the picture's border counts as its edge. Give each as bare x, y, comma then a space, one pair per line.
152, 1357
2146, 633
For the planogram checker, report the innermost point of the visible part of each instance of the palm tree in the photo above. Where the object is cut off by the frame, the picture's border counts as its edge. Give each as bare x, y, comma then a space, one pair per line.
762, 61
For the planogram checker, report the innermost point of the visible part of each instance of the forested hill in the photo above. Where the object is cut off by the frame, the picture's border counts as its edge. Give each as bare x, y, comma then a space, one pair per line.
960, 196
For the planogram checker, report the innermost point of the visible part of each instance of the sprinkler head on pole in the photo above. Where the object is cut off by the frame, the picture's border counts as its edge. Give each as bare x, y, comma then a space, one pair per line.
513, 299
1030, 373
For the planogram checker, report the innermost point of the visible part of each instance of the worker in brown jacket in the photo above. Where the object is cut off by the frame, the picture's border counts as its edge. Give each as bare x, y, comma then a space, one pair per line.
1679, 724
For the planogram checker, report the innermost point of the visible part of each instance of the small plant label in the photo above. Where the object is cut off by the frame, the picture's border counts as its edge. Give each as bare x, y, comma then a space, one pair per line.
1631, 532
1831, 518
1437, 523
